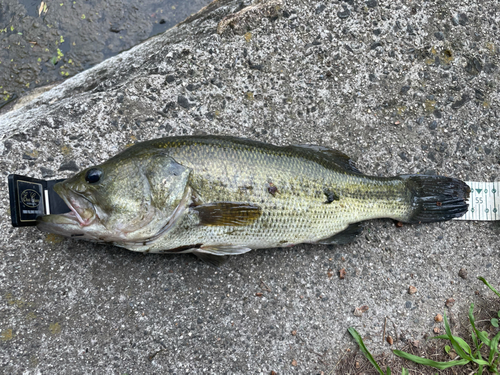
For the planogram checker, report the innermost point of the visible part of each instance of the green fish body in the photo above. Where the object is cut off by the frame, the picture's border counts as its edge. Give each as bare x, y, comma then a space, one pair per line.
217, 196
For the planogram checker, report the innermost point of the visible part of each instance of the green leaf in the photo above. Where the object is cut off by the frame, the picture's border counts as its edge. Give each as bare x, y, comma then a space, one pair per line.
53, 60
488, 285
474, 340
363, 348
483, 336
463, 345
494, 347
455, 342
447, 348
480, 362
404, 371
428, 362
494, 322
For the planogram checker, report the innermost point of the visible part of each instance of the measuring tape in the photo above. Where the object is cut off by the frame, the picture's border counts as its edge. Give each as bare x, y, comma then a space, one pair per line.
484, 201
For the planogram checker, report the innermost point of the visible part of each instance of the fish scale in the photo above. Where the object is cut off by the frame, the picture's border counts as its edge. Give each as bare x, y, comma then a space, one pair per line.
296, 213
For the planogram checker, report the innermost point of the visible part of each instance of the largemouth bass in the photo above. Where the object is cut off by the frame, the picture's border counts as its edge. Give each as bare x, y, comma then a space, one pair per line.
217, 196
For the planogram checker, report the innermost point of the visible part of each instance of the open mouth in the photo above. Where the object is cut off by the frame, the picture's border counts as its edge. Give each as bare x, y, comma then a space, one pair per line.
69, 224
81, 208
82, 211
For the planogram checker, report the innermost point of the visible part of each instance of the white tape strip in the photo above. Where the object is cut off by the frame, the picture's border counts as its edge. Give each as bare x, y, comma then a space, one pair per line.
484, 201
47, 203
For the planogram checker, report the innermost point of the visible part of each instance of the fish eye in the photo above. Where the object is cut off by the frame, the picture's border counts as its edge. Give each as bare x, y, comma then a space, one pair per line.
93, 175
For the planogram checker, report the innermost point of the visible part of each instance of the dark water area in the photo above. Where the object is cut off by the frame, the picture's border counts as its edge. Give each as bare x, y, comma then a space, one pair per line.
43, 43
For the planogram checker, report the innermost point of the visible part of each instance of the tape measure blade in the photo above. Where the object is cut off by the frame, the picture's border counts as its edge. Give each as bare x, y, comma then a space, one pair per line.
484, 201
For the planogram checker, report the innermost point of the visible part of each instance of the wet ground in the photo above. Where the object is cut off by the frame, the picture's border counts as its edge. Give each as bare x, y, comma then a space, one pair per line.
46, 42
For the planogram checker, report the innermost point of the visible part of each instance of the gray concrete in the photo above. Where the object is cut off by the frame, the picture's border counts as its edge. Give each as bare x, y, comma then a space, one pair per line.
401, 87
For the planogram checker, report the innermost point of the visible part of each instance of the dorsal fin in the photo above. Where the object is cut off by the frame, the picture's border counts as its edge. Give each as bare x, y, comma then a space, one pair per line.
329, 155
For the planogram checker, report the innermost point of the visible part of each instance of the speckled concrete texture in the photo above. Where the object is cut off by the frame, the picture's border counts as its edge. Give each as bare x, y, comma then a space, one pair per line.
402, 87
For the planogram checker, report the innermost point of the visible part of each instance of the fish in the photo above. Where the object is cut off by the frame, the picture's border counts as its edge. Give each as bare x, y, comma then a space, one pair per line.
216, 196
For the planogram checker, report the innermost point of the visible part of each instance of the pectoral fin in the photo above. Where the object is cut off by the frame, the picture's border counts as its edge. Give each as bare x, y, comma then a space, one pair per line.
227, 213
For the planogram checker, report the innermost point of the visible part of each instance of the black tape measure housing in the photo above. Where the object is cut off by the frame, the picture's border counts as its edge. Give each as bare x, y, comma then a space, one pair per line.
32, 197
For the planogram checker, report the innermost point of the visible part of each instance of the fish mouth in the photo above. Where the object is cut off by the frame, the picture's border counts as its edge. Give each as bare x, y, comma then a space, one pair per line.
82, 214
82, 209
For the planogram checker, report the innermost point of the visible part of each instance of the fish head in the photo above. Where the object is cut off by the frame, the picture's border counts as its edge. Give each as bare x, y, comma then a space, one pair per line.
125, 200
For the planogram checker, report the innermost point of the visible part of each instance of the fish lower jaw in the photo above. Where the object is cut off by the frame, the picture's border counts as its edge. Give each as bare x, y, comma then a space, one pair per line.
77, 216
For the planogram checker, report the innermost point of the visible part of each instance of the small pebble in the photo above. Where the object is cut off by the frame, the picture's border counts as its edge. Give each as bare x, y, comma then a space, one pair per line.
439, 35
412, 290
462, 273
438, 318
450, 302
344, 14
342, 273
358, 311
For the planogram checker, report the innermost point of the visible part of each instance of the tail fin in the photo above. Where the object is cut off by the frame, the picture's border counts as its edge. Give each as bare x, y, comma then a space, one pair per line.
436, 198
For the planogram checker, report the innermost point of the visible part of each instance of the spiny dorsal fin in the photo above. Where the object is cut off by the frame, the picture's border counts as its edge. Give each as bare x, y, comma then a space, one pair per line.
227, 213
330, 155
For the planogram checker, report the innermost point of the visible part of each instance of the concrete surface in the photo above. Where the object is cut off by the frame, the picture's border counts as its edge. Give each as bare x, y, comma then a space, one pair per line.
403, 87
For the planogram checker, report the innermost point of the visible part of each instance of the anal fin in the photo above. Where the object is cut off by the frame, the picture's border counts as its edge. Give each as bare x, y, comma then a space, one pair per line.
347, 235
227, 213
211, 259
217, 255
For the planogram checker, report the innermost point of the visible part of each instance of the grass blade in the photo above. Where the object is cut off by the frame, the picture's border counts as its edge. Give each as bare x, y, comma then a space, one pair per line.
488, 285
474, 340
454, 342
463, 344
363, 348
494, 347
479, 334
480, 362
428, 362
